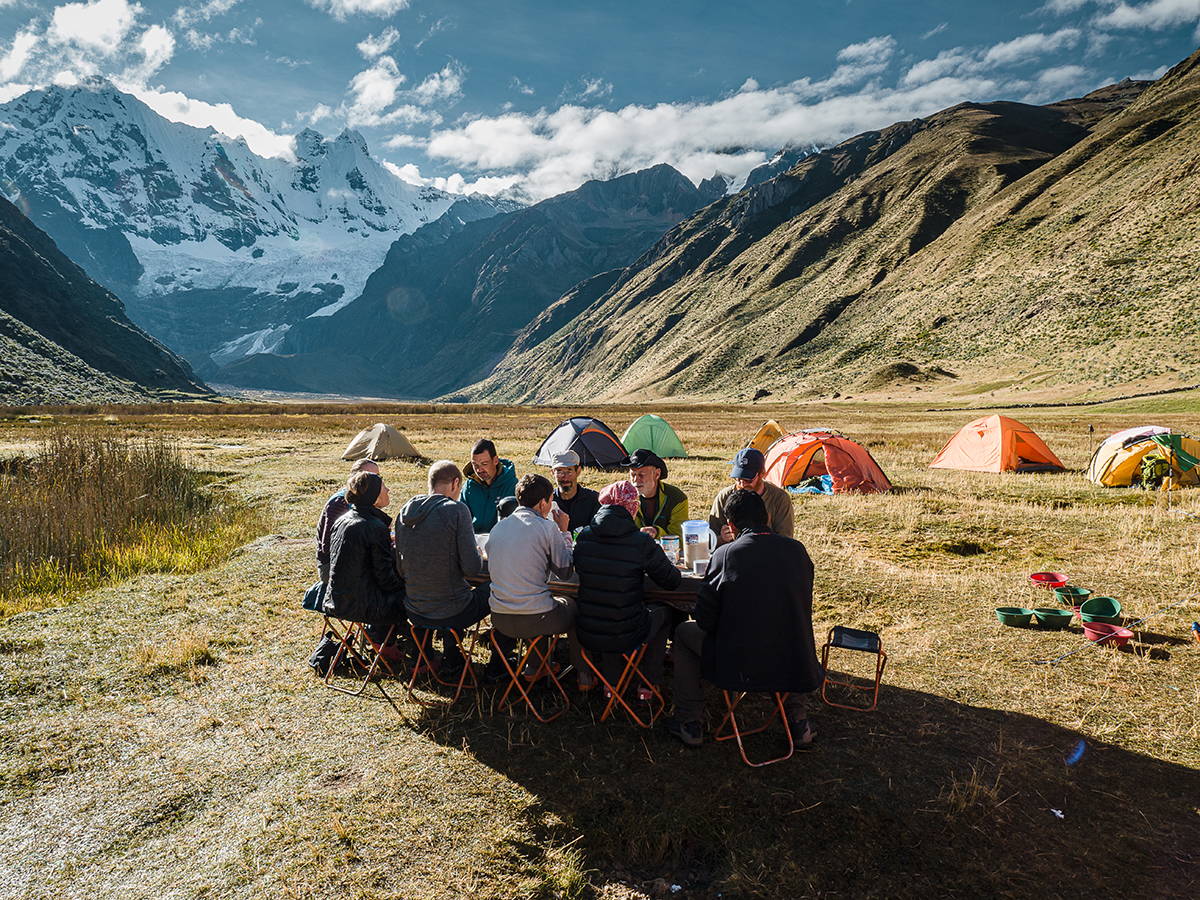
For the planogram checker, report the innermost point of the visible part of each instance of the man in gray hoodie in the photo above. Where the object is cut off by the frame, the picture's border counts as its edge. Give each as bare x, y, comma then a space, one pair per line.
436, 553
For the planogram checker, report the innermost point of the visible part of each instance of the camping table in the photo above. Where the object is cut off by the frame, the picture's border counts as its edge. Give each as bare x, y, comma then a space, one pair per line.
683, 598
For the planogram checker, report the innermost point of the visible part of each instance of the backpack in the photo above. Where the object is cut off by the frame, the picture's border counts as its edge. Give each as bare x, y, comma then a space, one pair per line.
1155, 468
323, 654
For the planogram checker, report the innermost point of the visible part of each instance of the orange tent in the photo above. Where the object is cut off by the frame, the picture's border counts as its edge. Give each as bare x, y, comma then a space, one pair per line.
795, 457
996, 444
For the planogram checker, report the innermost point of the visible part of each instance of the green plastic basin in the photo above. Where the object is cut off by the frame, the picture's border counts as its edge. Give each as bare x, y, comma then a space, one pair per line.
1054, 618
1071, 595
1101, 609
1014, 616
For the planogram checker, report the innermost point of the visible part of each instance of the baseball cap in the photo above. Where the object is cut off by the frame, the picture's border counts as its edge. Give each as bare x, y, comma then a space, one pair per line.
748, 463
564, 459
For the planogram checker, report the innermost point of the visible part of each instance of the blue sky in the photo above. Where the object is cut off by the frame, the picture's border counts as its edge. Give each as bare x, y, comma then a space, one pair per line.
479, 94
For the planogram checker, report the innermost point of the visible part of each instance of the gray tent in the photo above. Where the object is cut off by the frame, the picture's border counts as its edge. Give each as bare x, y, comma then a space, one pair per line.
380, 442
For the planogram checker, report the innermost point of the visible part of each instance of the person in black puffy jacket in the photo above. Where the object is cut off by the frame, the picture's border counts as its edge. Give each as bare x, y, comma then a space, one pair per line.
363, 583
613, 557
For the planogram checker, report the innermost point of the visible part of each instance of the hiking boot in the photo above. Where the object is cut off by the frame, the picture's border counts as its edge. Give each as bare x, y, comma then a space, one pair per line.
691, 733
803, 734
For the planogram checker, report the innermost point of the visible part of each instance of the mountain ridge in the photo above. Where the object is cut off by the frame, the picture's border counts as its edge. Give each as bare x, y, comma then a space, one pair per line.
782, 288
65, 338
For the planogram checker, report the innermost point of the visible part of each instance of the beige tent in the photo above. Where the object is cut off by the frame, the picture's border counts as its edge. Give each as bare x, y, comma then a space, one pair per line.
766, 436
380, 442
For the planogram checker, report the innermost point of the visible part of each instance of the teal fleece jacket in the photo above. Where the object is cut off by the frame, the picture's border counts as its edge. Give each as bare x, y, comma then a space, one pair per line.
481, 498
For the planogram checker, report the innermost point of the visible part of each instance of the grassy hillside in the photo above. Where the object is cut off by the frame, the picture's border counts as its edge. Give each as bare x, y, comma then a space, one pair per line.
1028, 252
63, 337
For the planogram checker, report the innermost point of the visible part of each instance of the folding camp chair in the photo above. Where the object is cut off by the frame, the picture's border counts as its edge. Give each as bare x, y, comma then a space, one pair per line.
736, 732
362, 654
423, 640
535, 650
862, 641
632, 670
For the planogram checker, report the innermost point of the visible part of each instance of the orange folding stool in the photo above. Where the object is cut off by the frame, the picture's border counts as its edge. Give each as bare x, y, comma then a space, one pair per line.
357, 649
423, 640
862, 641
732, 699
632, 670
535, 650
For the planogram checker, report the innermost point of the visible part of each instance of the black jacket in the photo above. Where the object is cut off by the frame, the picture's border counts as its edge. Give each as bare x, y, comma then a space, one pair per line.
612, 558
363, 583
755, 607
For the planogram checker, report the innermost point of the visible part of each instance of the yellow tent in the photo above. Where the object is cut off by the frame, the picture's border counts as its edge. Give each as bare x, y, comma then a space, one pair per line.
1117, 462
380, 442
766, 436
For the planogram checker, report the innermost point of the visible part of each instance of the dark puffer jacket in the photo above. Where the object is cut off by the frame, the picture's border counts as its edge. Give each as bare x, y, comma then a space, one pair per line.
612, 558
363, 583
755, 608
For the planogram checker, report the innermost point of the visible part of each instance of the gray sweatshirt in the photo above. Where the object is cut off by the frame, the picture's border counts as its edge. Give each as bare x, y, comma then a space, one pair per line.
436, 552
524, 550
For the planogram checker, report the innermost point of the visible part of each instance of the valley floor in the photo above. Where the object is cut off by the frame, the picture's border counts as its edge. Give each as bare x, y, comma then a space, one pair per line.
164, 738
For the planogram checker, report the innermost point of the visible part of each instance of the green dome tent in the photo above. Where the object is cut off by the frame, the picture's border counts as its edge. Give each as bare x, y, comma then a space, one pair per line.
652, 432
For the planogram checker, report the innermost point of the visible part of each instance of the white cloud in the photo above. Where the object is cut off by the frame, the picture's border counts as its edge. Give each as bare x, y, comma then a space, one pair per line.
876, 49
1030, 46
373, 90
398, 141
1150, 74
408, 172
596, 87
340, 9
13, 90
443, 85
518, 85
18, 54
374, 45
963, 62
156, 45
750, 84
178, 107
548, 152
1061, 7
100, 26
1153, 14
936, 29
203, 12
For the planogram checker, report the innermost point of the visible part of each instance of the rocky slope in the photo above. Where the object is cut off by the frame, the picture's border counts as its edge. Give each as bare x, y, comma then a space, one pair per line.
450, 298
988, 238
218, 251
65, 339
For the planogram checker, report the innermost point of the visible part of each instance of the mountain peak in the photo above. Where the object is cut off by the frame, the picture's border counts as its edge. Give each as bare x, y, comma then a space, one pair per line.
309, 144
350, 136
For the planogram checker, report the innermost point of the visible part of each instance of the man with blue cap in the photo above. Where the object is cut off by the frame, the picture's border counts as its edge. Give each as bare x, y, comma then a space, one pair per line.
749, 467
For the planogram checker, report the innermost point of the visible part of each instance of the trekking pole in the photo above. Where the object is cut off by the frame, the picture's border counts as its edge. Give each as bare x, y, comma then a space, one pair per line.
1091, 643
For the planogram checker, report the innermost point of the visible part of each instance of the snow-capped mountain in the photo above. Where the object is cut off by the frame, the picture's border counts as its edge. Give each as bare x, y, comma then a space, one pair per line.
216, 250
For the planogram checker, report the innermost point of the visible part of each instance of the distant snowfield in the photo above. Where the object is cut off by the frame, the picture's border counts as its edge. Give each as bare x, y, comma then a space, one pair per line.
202, 212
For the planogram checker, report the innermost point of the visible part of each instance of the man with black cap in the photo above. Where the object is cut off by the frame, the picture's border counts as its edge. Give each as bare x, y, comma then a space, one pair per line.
753, 629
749, 466
579, 503
662, 508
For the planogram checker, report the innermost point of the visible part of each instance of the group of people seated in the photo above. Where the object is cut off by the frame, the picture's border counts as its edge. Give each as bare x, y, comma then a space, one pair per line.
752, 626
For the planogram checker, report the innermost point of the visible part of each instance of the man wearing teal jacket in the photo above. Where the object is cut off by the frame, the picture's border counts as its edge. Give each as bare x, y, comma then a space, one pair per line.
489, 479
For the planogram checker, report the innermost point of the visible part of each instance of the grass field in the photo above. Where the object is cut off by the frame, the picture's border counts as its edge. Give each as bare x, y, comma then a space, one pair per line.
162, 737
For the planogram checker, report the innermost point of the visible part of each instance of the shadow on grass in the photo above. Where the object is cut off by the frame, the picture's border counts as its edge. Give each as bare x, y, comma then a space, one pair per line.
927, 796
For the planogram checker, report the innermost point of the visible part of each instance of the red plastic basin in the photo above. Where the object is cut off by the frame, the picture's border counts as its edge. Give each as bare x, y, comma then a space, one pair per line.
1049, 579
1102, 632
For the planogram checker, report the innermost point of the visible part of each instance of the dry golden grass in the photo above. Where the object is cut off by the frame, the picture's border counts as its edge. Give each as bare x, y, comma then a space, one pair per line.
253, 781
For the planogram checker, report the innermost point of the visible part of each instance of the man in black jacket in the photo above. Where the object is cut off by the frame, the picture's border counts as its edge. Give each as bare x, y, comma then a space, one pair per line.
612, 558
753, 628
363, 582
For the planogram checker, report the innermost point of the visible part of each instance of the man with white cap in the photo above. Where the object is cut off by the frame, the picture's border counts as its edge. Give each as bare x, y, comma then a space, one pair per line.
579, 503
